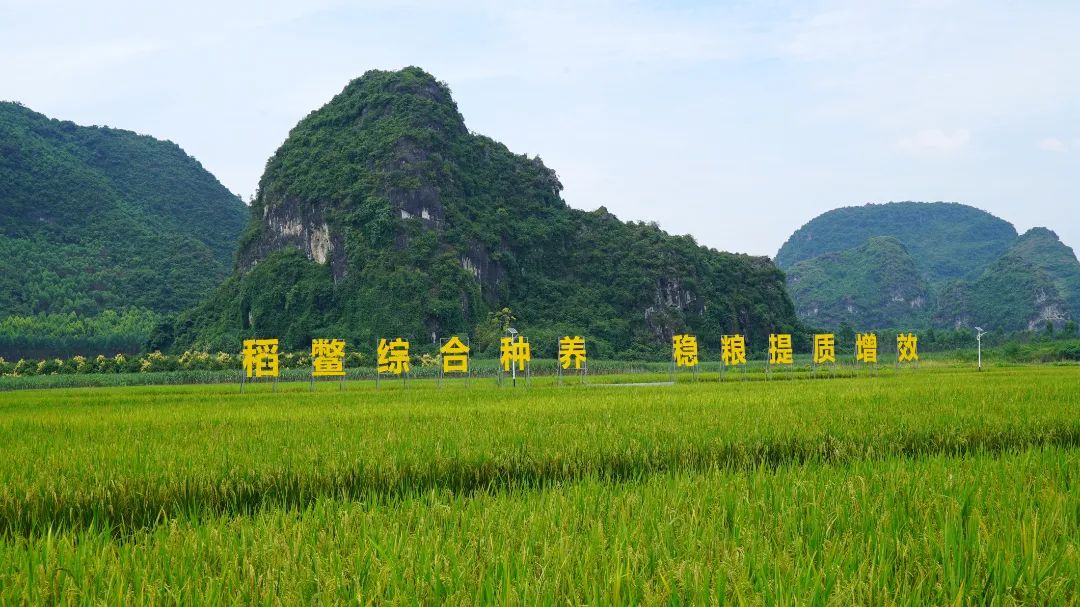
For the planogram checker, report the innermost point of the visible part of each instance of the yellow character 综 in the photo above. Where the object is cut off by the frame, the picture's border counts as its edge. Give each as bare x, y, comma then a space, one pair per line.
261, 357
907, 347
684, 349
733, 349
780, 352
824, 348
393, 356
328, 358
866, 348
514, 351
455, 356
571, 351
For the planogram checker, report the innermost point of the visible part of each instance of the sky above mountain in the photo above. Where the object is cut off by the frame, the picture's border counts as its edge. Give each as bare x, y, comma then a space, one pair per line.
735, 122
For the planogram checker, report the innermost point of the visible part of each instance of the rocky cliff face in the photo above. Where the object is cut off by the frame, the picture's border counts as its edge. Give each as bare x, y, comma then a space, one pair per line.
406, 223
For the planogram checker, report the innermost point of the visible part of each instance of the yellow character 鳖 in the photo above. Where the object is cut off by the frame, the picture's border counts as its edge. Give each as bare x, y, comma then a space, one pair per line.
327, 357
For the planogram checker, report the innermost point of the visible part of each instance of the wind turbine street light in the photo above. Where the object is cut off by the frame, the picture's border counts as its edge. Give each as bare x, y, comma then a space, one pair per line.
978, 338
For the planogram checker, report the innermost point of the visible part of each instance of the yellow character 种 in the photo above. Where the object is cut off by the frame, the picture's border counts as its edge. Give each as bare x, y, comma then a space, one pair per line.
514, 351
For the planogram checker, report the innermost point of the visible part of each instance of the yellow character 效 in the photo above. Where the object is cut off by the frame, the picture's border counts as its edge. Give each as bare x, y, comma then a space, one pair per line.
907, 348
393, 356
733, 349
327, 357
261, 357
824, 348
455, 356
780, 352
571, 351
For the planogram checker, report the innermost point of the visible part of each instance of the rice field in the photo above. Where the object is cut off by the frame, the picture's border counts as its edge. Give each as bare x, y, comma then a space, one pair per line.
932, 487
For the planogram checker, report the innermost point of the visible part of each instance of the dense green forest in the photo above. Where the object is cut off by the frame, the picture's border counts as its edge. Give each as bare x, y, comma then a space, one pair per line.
923, 265
95, 219
66, 334
382, 215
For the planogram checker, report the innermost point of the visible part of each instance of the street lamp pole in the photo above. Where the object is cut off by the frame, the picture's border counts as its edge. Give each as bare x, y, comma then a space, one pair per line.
513, 363
978, 338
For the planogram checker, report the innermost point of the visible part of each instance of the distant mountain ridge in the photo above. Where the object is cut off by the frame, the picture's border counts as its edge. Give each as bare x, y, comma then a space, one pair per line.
913, 264
96, 218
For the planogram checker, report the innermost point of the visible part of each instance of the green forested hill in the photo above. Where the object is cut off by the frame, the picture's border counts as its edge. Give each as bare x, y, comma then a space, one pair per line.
947, 240
939, 264
382, 215
94, 218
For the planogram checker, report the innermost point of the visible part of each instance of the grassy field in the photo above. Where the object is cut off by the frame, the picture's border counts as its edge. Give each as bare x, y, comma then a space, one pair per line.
941, 486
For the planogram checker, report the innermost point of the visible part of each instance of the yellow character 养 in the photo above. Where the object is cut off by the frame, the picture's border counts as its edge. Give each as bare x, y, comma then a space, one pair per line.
571, 351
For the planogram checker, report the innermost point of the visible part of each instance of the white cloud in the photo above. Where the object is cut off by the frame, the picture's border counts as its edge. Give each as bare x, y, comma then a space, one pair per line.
935, 141
1052, 144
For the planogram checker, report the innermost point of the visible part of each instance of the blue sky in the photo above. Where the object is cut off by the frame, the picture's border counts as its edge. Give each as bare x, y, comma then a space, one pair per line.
734, 122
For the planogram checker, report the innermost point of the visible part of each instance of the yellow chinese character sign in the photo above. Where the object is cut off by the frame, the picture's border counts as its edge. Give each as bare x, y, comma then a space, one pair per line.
684, 349
514, 351
393, 356
866, 348
455, 356
328, 358
780, 352
824, 348
733, 349
261, 357
907, 348
571, 351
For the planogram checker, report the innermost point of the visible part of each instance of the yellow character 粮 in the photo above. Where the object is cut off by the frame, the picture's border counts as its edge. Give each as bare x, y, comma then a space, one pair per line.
327, 357
733, 349
824, 348
455, 356
393, 356
514, 351
261, 357
684, 349
571, 351
780, 352
866, 348
907, 347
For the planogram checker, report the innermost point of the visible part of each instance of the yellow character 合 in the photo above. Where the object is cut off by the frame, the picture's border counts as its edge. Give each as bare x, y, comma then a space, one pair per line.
733, 349
684, 349
455, 356
571, 351
514, 351
866, 348
327, 358
907, 348
393, 356
824, 348
261, 357
780, 352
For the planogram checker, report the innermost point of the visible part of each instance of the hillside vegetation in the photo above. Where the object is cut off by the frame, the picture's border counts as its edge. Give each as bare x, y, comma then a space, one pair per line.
382, 215
95, 219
